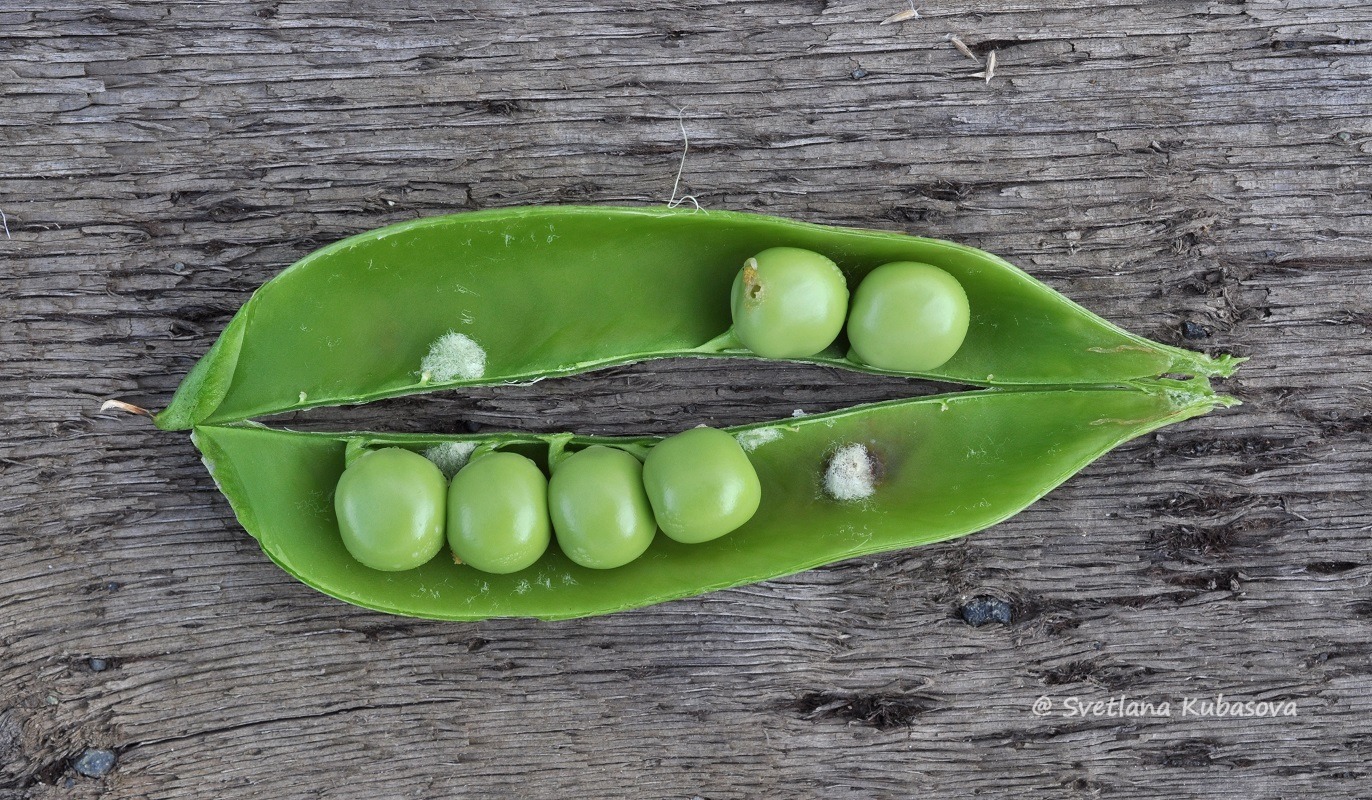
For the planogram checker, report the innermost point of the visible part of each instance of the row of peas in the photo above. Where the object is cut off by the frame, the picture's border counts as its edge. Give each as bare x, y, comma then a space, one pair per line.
395, 508
905, 316
499, 513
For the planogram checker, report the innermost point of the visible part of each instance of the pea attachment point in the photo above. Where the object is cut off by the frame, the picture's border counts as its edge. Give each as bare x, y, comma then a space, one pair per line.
129, 408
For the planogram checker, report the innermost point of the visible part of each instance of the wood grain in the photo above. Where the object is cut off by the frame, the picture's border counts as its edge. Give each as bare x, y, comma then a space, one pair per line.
1181, 167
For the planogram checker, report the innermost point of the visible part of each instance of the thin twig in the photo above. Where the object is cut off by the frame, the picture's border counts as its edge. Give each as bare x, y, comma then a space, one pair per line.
6, 223
685, 148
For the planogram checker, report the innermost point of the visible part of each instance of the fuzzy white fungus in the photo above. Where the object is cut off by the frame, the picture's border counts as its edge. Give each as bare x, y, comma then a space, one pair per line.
851, 474
752, 440
453, 356
450, 457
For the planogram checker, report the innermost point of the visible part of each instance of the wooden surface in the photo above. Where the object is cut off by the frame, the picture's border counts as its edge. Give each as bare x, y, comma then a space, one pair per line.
1179, 166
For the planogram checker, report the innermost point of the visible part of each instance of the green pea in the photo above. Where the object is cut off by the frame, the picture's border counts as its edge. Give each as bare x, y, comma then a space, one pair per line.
788, 303
701, 485
389, 504
908, 316
498, 513
600, 512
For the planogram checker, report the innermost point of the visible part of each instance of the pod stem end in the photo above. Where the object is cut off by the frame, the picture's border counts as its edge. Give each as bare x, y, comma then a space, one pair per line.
128, 408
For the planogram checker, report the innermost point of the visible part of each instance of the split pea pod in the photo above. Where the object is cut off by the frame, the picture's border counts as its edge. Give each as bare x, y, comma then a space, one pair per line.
526, 293
944, 467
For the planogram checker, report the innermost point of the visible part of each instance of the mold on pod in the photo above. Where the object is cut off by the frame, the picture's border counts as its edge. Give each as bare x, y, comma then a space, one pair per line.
852, 473
450, 457
455, 356
751, 440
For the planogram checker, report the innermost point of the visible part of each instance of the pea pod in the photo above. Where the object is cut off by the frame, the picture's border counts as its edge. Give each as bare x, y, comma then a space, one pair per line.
525, 293
948, 466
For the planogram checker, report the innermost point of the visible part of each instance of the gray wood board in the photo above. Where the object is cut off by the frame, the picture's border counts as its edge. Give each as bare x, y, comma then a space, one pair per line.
1180, 167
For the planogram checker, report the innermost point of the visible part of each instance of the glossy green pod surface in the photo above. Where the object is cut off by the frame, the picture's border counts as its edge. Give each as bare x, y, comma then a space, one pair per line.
542, 291
951, 465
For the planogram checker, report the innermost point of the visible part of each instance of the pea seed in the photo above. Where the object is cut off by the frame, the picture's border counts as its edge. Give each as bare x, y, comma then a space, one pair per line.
788, 303
908, 317
390, 511
600, 512
701, 485
498, 513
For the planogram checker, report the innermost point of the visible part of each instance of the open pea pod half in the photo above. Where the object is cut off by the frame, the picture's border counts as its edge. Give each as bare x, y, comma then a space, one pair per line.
946, 466
544, 291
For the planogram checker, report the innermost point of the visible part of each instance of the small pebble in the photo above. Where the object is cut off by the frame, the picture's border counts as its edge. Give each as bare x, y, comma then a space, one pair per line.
98, 664
95, 762
859, 73
1191, 330
984, 610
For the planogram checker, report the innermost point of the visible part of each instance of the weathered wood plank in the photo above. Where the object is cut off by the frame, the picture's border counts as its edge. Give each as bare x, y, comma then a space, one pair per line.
1189, 169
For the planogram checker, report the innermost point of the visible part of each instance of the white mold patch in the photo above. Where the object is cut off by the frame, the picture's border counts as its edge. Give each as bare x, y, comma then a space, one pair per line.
455, 355
752, 440
851, 474
450, 457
